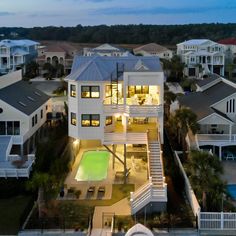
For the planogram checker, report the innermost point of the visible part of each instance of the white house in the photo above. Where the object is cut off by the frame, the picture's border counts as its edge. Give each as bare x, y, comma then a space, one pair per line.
106, 50
215, 107
230, 49
15, 54
201, 56
23, 112
114, 100
153, 49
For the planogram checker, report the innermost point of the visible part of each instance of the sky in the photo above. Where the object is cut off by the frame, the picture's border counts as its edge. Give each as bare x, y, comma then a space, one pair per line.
30, 13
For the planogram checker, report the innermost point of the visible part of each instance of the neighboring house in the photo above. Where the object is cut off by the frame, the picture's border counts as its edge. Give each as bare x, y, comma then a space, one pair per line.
230, 49
106, 50
108, 98
23, 112
15, 54
153, 49
56, 53
201, 56
215, 106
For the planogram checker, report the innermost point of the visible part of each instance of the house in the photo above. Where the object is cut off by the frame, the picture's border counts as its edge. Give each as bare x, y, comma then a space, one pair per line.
115, 100
105, 50
56, 53
201, 56
153, 49
215, 107
230, 49
23, 113
15, 54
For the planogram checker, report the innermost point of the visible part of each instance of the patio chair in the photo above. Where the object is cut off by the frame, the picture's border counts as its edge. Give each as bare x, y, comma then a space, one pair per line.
101, 189
90, 191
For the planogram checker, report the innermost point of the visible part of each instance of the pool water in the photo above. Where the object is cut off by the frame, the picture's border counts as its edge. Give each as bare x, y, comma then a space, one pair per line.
232, 190
93, 166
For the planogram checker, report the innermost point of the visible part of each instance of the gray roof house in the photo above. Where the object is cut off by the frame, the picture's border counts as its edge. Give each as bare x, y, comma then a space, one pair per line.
215, 107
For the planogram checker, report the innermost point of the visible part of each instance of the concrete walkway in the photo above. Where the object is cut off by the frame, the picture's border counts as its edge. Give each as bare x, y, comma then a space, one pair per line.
103, 215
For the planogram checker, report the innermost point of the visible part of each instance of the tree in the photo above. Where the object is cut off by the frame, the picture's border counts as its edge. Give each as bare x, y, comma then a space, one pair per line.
177, 68
31, 70
49, 71
185, 120
204, 170
169, 97
40, 182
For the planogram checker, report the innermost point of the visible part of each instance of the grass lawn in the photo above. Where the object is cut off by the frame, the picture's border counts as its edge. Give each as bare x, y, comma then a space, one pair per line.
11, 210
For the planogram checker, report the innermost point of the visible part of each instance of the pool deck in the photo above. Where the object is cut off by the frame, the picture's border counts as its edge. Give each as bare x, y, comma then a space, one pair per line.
137, 176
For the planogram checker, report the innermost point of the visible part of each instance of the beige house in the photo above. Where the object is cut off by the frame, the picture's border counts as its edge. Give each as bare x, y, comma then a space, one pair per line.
56, 53
153, 49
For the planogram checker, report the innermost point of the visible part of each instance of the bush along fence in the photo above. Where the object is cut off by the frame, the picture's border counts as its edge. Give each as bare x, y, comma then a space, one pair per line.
206, 220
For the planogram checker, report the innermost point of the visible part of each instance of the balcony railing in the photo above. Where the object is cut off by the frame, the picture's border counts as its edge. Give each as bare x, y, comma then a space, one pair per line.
215, 138
133, 110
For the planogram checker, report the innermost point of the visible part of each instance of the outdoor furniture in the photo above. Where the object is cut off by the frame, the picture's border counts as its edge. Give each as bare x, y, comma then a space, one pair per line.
90, 191
101, 189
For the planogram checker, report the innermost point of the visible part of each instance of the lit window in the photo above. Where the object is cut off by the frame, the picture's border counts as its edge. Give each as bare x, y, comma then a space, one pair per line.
108, 91
72, 90
73, 118
108, 120
90, 92
88, 120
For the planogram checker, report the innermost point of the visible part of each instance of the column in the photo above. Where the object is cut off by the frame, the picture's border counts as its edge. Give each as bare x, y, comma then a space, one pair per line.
230, 132
113, 157
220, 153
22, 150
125, 169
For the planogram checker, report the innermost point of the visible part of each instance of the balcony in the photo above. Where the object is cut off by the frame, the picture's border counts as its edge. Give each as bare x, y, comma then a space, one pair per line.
216, 139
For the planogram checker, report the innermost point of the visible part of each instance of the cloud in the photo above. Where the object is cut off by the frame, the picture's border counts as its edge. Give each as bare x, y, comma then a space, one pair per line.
160, 10
5, 13
44, 15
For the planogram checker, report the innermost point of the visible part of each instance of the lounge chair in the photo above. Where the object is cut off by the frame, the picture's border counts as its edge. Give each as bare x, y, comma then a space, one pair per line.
101, 189
90, 191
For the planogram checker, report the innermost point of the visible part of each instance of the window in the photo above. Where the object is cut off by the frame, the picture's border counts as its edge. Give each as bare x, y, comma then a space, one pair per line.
73, 118
138, 89
230, 106
36, 119
88, 120
108, 120
72, 90
2, 128
108, 91
90, 92
41, 113
33, 121
16, 130
46, 107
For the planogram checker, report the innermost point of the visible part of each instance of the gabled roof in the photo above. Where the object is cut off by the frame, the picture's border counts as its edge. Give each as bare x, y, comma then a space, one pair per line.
193, 42
151, 47
108, 47
201, 102
211, 78
100, 68
139, 230
23, 96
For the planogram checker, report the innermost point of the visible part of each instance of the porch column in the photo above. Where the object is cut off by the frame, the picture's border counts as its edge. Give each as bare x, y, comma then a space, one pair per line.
125, 169
125, 122
113, 157
230, 132
220, 153
22, 150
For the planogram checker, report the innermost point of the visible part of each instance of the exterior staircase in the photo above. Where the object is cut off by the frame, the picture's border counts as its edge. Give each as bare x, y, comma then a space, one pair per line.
155, 190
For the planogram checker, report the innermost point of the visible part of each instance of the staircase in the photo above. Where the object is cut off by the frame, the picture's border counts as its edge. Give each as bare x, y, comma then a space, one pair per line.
156, 189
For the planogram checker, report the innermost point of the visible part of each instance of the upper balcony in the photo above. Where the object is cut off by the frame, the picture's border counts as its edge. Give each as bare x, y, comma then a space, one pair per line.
143, 106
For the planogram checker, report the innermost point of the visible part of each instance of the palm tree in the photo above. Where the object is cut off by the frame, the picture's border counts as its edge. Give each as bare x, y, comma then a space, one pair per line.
40, 182
169, 97
185, 120
205, 169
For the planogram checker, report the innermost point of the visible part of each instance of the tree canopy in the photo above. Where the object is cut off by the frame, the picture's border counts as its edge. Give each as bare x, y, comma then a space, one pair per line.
131, 34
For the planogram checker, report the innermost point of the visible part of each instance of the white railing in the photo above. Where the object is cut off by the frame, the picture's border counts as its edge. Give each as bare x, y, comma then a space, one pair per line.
215, 138
188, 188
13, 157
217, 221
15, 173
9, 148
125, 138
143, 110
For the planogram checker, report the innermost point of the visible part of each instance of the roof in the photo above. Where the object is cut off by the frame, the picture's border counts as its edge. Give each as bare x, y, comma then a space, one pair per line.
139, 230
211, 78
201, 102
228, 41
108, 48
23, 96
195, 42
152, 47
98, 68
21, 42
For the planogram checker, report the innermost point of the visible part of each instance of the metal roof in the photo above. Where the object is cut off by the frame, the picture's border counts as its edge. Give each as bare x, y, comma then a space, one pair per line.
21, 42
193, 42
23, 96
201, 102
100, 68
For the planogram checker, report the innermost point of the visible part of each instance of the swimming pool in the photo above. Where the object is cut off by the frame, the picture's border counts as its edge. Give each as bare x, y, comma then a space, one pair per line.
232, 190
93, 166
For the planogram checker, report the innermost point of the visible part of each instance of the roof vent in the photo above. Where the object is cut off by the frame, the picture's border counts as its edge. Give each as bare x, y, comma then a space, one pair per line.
37, 93
22, 104
30, 98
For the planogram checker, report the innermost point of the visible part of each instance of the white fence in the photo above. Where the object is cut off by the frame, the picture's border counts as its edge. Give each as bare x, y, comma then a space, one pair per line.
188, 189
